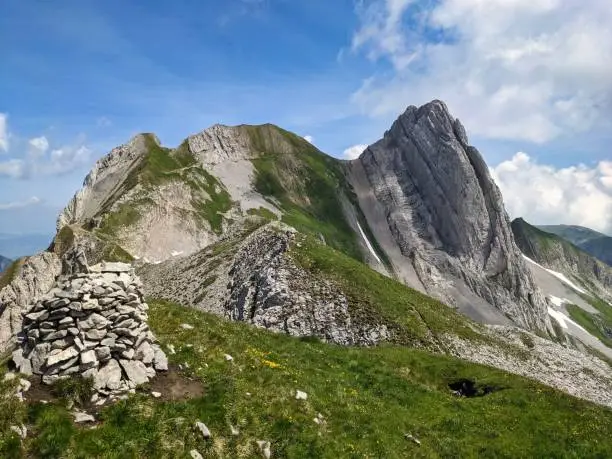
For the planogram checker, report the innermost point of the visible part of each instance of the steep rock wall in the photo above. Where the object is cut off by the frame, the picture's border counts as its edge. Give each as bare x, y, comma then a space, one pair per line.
433, 207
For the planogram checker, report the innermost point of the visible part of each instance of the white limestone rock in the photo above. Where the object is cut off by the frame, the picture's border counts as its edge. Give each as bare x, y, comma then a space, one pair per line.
108, 376
81, 417
135, 370
203, 429
62, 356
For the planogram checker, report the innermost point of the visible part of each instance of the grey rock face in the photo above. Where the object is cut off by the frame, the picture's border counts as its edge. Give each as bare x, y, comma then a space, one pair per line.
103, 181
260, 284
433, 207
34, 279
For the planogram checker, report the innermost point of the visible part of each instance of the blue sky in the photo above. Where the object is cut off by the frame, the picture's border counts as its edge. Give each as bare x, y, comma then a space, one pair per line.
80, 77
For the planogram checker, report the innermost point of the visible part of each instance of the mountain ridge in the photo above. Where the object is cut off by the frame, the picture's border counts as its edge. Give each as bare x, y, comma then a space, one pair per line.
555, 252
297, 293
185, 199
593, 242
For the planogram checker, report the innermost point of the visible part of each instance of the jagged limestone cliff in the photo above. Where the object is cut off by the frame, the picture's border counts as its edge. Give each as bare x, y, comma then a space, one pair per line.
439, 217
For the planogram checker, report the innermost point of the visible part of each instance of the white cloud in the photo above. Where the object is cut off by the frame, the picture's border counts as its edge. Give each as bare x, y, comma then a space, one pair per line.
354, 151
543, 194
309, 139
14, 168
4, 142
510, 69
38, 162
66, 159
20, 204
39, 145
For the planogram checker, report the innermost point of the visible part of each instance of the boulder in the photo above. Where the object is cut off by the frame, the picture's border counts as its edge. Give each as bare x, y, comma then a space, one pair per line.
80, 417
145, 353
160, 361
109, 376
135, 370
23, 364
89, 359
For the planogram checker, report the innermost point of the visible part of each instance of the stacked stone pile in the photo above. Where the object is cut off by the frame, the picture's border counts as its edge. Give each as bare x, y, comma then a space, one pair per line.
94, 325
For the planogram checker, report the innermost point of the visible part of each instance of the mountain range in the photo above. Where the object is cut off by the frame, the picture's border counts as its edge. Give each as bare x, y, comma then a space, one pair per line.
396, 207
592, 242
399, 260
4, 263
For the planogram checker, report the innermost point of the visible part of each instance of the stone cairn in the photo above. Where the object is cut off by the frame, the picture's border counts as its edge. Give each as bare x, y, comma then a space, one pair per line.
92, 324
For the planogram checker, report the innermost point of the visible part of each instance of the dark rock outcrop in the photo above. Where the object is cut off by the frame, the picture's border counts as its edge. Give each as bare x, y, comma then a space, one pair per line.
436, 212
252, 279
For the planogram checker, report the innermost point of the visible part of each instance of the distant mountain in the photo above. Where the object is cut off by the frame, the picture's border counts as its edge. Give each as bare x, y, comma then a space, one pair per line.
559, 254
4, 263
20, 245
594, 243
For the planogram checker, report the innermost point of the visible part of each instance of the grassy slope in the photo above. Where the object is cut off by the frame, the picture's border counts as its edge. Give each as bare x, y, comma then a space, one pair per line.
369, 398
537, 244
416, 318
160, 166
557, 253
306, 183
7, 276
599, 325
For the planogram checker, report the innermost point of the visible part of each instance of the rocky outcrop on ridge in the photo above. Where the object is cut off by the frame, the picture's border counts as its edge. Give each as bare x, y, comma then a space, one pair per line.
94, 325
105, 181
255, 280
31, 278
436, 212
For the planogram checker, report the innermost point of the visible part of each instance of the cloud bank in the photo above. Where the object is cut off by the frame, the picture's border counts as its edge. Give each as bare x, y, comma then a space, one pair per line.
39, 159
531, 70
543, 194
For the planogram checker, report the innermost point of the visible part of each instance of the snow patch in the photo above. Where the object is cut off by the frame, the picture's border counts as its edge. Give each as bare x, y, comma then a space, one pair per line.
558, 301
558, 275
370, 248
174, 253
559, 317
563, 320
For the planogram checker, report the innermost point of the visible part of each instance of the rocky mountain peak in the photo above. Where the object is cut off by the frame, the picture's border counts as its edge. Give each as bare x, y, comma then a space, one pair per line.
220, 143
106, 176
442, 217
